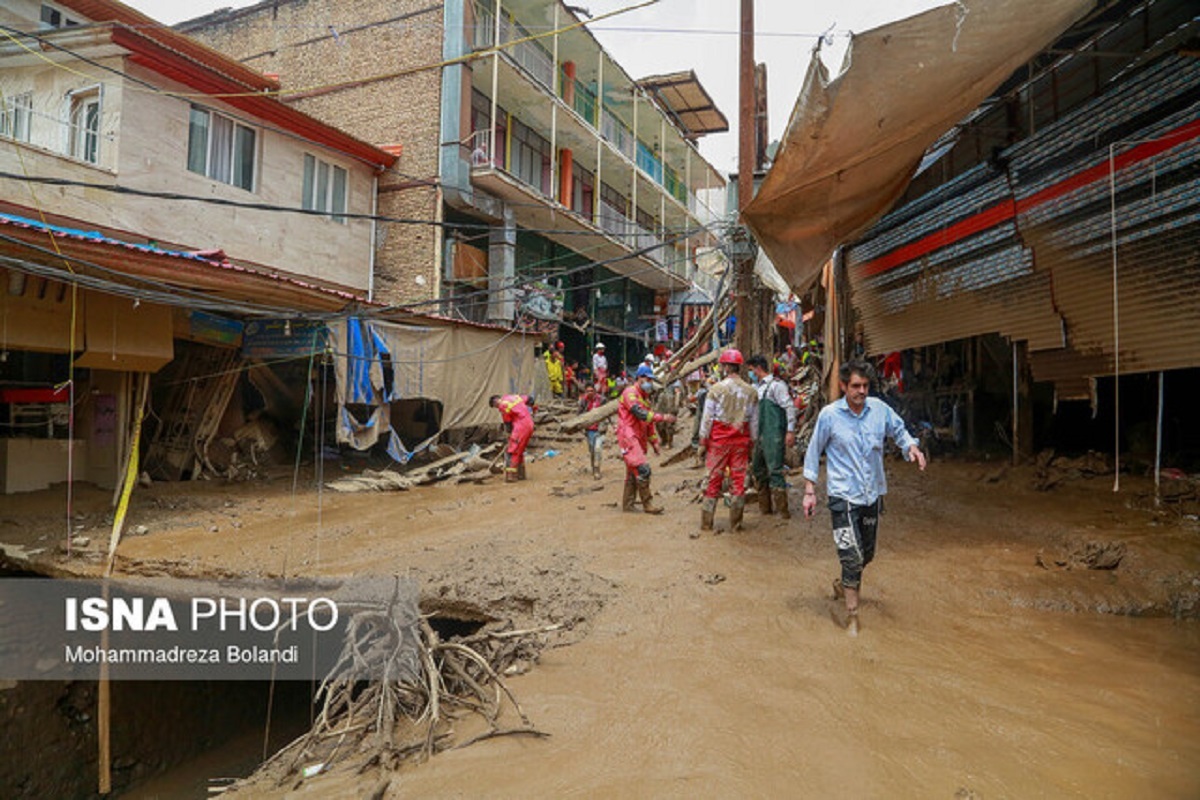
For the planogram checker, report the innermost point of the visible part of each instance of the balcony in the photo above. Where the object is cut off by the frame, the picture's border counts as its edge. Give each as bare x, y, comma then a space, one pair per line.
590, 117
614, 241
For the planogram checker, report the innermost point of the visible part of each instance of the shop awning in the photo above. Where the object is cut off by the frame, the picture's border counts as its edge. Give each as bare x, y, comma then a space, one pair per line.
687, 101
853, 143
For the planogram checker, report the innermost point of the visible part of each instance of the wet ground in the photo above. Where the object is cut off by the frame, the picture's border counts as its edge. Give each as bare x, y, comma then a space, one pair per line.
991, 662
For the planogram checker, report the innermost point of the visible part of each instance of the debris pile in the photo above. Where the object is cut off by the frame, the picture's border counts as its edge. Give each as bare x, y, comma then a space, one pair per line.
472, 464
400, 692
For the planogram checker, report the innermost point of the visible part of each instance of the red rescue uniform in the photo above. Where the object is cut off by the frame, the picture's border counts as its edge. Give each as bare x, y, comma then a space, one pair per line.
635, 426
515, 410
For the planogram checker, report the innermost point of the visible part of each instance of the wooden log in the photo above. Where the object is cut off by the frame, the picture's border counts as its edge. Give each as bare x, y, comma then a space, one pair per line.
608, 409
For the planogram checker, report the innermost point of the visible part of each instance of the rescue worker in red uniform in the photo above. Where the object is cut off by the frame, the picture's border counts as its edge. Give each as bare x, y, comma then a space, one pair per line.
728, 429
635, 430
517, 412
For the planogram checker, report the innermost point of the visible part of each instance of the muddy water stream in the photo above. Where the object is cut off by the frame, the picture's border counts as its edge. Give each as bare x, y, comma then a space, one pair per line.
713, 666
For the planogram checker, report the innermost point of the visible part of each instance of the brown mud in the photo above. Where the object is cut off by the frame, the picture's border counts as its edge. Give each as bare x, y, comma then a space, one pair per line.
992, 661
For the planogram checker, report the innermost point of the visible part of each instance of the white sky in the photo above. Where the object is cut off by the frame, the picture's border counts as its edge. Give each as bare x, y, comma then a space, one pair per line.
675, 35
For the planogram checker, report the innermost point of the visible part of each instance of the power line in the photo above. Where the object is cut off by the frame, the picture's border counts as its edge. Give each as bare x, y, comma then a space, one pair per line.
169, 294
482, 227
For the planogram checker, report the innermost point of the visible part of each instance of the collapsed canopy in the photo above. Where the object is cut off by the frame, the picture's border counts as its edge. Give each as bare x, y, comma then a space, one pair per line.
853, 143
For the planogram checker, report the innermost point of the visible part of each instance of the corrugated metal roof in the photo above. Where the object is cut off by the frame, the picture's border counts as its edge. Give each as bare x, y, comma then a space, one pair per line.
686, 100
1030, 255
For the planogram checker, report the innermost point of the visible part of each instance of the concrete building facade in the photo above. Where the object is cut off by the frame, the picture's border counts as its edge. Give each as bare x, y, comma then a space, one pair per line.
525, 150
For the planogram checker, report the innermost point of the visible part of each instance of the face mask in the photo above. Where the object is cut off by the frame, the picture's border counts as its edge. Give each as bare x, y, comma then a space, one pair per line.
647, 386
754, 377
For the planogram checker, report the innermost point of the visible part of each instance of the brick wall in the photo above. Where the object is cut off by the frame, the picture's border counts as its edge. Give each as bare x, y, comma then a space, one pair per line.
296, 39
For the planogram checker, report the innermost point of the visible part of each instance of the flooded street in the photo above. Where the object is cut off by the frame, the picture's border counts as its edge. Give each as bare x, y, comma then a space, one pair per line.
714, 666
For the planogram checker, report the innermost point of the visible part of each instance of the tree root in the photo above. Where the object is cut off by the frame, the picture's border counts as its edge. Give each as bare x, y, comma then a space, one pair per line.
395, 677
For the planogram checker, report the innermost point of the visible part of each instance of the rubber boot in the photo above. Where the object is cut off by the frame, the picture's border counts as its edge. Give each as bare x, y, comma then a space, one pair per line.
510, 474
595, 465
736, 508
647, 496
764, 500
631, 489
708, 507
779, 499
521, 471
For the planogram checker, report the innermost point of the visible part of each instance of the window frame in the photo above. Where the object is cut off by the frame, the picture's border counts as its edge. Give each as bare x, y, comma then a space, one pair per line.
17, 109
319, 188
201, 161
78, 136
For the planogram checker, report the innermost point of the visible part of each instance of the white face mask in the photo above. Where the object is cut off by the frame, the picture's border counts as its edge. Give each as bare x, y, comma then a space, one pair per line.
647, 386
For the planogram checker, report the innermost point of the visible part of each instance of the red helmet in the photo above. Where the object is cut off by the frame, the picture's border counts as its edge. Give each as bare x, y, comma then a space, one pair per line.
731, 356
561, 346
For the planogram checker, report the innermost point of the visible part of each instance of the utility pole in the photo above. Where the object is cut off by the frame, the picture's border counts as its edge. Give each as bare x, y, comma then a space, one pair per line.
743, 250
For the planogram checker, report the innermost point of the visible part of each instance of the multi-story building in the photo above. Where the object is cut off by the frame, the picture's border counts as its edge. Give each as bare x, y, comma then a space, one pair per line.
536, 153
154, 197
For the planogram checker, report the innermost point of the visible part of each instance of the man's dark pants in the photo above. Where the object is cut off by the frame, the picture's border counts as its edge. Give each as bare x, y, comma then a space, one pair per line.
854, 530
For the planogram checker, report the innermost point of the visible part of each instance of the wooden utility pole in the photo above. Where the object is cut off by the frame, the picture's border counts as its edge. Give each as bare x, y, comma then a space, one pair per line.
746, 103
743, 254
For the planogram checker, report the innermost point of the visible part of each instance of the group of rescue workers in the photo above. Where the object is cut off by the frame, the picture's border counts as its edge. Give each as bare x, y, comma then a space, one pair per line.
743, 426
749, 424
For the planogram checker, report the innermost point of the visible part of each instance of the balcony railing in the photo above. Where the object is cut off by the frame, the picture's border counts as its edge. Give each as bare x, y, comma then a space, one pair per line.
530, 56
538, 63
617, 133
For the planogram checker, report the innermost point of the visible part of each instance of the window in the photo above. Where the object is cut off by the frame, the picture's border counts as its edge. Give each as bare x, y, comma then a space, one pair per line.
220, 148
324, 188
15, 116
481, 129
583, 188
54, 18
530, 157
83, 134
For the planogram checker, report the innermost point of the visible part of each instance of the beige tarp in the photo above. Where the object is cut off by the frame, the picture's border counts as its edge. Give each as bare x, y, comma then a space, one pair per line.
456, 365
853, 143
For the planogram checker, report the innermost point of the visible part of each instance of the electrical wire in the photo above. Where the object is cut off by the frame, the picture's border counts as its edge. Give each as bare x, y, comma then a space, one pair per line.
483, 227
326, 88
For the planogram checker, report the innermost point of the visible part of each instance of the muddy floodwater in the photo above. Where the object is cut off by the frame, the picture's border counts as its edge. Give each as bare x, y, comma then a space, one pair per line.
992, 662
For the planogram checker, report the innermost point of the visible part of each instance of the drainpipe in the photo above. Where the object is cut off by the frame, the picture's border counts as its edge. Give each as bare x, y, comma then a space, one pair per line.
371, 250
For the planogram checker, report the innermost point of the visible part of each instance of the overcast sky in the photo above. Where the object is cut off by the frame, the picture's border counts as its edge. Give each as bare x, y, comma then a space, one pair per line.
674, 35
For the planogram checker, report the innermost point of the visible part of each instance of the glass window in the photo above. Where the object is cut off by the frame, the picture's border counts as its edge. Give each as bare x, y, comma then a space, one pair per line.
15, 116
325, 188
221, 149
198, 141
84, 121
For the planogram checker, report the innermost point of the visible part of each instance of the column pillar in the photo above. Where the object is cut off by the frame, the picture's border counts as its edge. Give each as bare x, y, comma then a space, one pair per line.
502, 269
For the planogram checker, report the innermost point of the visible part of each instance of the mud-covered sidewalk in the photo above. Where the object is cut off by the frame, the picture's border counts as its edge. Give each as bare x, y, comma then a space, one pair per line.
1014, 642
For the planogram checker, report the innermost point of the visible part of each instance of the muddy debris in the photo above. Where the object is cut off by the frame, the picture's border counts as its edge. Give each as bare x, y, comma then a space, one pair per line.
1092, 555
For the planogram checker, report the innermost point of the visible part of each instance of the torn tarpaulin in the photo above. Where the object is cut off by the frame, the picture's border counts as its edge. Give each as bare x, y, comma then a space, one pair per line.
379, 363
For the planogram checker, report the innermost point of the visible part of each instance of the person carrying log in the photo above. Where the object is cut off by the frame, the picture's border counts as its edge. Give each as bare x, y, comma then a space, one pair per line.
727, 432
635, 431
517, 412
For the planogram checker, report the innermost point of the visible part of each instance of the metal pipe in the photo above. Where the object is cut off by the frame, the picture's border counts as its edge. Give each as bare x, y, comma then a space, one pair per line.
1112, 193
1158, 444
371, 249
1015, 405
